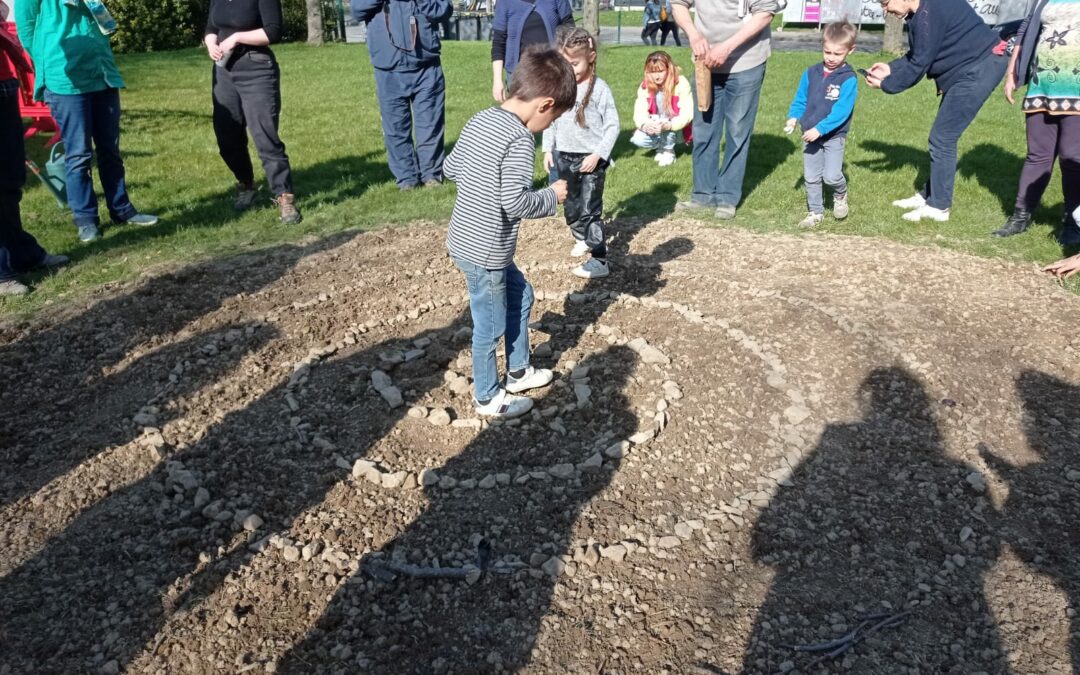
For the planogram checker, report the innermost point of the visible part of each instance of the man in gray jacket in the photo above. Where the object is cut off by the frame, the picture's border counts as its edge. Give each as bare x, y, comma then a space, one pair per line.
732, 38
403, 40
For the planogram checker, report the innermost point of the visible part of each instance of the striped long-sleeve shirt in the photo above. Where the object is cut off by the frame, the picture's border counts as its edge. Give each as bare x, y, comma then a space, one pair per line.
492, 164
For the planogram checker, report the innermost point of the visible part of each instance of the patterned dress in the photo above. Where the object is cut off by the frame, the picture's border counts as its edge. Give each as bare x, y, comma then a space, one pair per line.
1055, 85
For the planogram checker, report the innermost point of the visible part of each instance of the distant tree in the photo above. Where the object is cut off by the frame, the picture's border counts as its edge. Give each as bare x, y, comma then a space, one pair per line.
314, 22
894, 35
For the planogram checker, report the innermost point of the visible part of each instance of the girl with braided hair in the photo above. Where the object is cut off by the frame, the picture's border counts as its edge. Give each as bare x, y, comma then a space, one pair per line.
580, 141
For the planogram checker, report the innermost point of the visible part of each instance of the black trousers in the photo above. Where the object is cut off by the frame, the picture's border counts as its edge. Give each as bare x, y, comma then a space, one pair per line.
19, 251
669, 27
584, 203
648, 33
247, 97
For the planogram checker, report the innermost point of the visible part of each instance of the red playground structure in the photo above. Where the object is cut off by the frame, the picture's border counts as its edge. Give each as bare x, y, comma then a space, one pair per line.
41, 119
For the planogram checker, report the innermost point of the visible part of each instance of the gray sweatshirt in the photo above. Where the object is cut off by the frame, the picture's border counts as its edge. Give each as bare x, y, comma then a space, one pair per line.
717, 20
601, 124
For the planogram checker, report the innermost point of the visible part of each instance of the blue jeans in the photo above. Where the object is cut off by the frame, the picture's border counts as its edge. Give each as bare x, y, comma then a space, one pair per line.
958, 109
500, 301
413, 102
823, 159
661, 142
731, 120
90, 123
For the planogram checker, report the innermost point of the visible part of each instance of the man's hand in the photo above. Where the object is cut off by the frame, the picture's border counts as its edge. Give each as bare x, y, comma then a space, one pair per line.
699, 46
811, 135
588, 165
789, 126
549, 161
877, 73
718, 54
212, 47
559, 188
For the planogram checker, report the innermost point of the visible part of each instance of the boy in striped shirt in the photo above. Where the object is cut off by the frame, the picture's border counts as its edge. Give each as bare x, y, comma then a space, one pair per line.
492, 164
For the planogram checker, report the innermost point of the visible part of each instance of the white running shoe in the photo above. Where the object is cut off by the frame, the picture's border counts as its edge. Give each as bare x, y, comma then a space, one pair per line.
928, 212
913, 202
580, 249
504, 405
840, 206
532, 379
811, 220
665, 158
593, 268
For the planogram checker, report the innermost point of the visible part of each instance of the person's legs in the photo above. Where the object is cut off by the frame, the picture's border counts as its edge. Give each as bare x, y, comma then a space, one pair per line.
105, 128
667, 140
230, 128
394, 90
833, 165
959, 106
569, 165
19, 251
519, 302
708, 132
258, 82
592, 202
487, 303
742, 92
1042, 146
813, 170
73, 115
1069, 158
644, 140
429, 119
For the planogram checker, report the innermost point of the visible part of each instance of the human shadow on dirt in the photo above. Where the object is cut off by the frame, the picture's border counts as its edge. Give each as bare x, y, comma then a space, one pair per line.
876, 524
440, 625
103, 589
73, 388
1041, 513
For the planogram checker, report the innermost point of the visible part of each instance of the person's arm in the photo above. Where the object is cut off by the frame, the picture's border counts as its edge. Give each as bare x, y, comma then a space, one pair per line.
11, 47
516, 196
364, 10
435, 10
927, 36
450, 167
565, 13
750, 29
698, 44
798, 104
1011, 77
610, 114
499, 26
26, 18
1064, 268
641, 108
842, 108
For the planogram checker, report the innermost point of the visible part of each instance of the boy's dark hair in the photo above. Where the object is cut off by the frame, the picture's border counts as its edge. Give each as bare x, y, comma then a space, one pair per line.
840, 33
542, 71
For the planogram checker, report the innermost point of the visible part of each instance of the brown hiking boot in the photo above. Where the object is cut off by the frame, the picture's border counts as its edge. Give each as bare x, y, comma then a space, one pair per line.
290, 215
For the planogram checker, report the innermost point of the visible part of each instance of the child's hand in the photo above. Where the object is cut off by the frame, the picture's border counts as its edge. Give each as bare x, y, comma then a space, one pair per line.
559, 188
549, 161
789, 126
811, 135
650, 128
588, 165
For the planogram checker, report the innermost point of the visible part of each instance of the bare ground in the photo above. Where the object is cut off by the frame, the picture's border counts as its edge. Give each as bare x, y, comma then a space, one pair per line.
752, 443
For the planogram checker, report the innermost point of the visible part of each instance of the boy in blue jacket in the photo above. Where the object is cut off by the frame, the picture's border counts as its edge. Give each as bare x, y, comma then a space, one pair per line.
822, 107
403, 40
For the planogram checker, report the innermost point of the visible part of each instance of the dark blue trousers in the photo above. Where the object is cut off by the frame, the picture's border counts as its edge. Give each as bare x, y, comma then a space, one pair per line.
413, 103
19, 251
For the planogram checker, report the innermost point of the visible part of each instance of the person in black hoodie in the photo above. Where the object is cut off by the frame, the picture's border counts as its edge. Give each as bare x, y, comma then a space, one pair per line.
951, 45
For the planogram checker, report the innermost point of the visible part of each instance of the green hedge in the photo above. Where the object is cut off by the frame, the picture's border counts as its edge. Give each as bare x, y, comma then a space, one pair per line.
155, 25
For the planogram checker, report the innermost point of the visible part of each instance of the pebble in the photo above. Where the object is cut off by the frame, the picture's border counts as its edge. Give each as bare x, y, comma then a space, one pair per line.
618, 450
143, 419
976, 481
579, 373
562, 471
669, 542
439, 417
650, 354
428, 477
291, 553
1073, 475
615, 553
643, 436
418, 412
796, 414
583, 392
487, 482
380, 380
684, 530
202, 498
110, 668
394, 480
253, 522
468, 424
554, 566
392, 396
965, 534
593, 462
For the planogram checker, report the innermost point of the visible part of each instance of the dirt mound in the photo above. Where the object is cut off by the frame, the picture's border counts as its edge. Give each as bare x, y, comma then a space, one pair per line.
270, 463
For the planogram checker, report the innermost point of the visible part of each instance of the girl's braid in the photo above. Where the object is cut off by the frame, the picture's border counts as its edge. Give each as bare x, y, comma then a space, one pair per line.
579, 40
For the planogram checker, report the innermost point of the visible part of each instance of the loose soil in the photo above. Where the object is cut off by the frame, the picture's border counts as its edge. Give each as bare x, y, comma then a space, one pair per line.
753, 443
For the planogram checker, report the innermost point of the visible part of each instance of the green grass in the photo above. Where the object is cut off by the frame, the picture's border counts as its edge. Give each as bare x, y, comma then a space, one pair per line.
331, 126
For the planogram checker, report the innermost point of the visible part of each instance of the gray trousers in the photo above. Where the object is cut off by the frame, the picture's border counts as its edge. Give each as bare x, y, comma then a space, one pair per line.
824, 160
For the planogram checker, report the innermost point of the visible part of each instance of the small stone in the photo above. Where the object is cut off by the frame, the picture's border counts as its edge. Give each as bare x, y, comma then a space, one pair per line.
447, 482
392, 481
439, 417
362, 467
538, 559
592, 555
643, 436
418, 412
428, 477
143, 419
684, 530
472, 575
562, 471
965, 534
593, 462
796, 414
669, 542
661, 405
468, 424
976, 481
487, 482
463, 334
542, 351
502, 478
392, 396
615, 553
1073, 475
110, 668
202, 498
380, 380
413, 354
410, 482
650, 354
583, 392
554, 566
253, 522
618, 451
461, 386
291, 553
579, 373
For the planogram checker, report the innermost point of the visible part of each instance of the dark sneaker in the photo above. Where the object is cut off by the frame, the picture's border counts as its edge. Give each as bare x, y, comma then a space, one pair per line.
245, 197
1019, 221
290, 215
144, 219
88, 233
13, 287
1070, 234
52, 261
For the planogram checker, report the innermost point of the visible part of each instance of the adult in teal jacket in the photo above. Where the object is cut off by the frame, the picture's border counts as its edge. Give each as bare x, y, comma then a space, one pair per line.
78, 78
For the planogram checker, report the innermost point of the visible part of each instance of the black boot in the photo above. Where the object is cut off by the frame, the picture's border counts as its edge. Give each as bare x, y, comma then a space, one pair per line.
1017, 223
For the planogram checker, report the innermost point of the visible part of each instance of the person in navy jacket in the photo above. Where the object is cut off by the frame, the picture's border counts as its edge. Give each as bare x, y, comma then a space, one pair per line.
823, 106
951, 45
403, 40
519, 24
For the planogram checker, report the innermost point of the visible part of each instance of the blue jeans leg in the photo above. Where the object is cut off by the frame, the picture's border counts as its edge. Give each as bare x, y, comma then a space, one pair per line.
958, 109
429, 119
519, 302
394, 90
729, 122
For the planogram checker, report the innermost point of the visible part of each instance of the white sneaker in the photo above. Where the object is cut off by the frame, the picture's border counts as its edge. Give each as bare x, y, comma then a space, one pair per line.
580, 249
812, 220
504, 405
940, 215
665, 158
913, 202
840, 206
532, 379
593, 268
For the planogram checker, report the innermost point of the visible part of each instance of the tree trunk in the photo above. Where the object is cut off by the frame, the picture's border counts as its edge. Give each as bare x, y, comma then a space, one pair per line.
314, 22
894, 35
591, 19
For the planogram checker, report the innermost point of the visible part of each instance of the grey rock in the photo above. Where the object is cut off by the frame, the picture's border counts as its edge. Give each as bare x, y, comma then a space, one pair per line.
418, 412
202, 498
253, 522
618, 450
669, 542
554, 566
796, 414
380, 380
392, 396
428, 477
439, 417
684, 530
616, 552
291, 553
562, 471
593, 462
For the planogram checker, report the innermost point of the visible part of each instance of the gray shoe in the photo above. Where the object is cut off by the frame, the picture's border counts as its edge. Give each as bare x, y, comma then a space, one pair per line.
52, 261
691, 205
144, 219
840, 206
13, 287
811, 220
725, 212
245, 197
